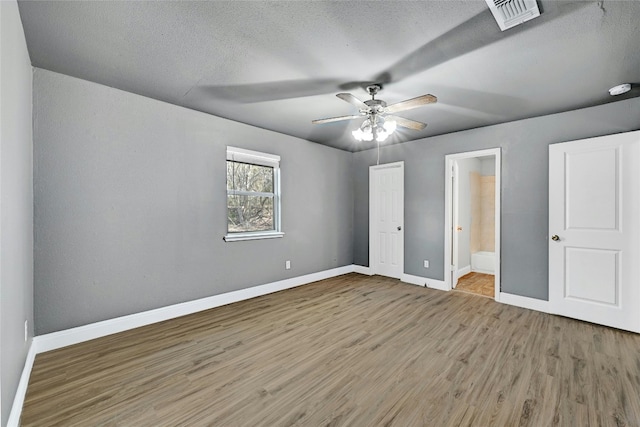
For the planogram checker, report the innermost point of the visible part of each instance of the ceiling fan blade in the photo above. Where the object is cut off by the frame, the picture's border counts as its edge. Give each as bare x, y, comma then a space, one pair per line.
335, 119
406, 123
411, 103
353, 100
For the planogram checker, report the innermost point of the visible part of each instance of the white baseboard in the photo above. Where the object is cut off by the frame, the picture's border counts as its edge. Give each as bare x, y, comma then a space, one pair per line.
362, 270
437, 284
80, 334
524, 302
21, 392
479, 270
464, 270
414, 280
421, 281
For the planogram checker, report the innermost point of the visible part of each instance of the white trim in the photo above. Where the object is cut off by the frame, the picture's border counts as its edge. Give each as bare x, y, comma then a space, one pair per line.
21, 392
524, 302
498, 226
238, 237
263, 159
362, 270
249, 156
80, 334
414, 280
450, 160
437, 284
455, 215
464, 270
480, 270
422, 281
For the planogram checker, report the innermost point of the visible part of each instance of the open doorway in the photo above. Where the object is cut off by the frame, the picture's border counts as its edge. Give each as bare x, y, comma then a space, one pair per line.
472, 222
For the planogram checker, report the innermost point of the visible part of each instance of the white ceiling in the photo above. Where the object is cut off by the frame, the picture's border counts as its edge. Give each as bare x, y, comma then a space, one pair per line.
278, 64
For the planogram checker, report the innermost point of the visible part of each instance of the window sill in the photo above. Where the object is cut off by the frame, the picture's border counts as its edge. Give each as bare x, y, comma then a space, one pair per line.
252, 236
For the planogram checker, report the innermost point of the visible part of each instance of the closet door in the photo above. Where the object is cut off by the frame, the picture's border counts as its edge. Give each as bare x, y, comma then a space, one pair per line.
594, 230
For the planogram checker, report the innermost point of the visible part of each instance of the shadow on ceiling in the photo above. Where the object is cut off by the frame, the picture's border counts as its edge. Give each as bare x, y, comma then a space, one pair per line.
479, 31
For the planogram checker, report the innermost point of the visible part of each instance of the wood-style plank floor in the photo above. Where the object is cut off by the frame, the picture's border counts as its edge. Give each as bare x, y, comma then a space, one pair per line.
348, 351
477, 283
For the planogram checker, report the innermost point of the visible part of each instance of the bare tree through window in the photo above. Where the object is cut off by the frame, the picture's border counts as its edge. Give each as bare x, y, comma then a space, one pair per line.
250, 197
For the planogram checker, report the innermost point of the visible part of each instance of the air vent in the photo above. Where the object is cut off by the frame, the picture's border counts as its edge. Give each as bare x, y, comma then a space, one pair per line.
509, 13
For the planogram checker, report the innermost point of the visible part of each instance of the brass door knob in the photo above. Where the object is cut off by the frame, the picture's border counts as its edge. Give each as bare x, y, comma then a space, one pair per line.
555, 237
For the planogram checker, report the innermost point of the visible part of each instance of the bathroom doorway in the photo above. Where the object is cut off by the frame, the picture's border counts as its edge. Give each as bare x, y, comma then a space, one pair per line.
472, 222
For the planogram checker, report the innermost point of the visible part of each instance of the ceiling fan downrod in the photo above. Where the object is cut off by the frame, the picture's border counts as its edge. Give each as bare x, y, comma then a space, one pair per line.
373, 90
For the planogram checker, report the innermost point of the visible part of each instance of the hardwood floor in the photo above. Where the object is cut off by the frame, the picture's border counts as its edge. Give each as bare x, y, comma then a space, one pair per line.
477, 283
353, 350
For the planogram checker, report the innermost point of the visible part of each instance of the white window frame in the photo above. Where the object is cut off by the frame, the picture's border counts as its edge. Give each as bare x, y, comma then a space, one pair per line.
262, 159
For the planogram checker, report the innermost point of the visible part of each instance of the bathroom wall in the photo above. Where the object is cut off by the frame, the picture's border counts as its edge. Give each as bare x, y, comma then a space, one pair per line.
488, 166
482, 199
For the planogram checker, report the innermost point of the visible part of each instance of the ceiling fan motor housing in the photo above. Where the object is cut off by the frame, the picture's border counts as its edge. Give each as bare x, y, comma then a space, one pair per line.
376, 106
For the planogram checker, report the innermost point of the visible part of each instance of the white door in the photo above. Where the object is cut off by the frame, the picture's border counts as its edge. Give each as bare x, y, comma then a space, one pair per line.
454, 225
386, 219
594, 230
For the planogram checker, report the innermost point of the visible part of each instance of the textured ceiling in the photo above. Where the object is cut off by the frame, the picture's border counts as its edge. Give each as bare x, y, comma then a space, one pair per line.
278, 65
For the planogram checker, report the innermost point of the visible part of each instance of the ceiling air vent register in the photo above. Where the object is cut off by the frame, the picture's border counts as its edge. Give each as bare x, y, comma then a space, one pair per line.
509, 13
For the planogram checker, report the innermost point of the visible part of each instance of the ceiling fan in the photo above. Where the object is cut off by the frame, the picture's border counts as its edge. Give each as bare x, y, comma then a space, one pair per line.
380, 121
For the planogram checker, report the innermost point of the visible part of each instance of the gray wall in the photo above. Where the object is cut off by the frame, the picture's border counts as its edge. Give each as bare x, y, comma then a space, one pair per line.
130, 199
524, 190
16, 204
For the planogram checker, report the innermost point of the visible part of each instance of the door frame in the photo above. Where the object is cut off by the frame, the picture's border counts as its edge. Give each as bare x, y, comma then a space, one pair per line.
373, 253
450, 207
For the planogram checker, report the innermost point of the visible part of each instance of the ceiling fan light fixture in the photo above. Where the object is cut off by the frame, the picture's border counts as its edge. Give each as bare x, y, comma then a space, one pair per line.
383, 129
382, 135
390, 126
358, 134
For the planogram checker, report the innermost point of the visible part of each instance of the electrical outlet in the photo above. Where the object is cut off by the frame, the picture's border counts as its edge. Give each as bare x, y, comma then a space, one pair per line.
26, 330
426, 263
287, 265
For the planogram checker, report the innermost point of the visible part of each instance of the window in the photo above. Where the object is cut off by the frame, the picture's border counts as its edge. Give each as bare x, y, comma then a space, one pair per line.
253, 195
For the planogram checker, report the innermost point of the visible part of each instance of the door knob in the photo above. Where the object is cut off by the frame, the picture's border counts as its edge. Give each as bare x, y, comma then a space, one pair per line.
399, 227
555, 237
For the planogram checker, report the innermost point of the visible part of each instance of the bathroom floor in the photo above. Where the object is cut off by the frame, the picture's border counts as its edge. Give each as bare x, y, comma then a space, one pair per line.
477, 283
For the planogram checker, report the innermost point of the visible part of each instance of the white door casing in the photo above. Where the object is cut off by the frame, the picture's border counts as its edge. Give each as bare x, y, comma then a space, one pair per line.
455, 191
386, 219
594, 210
450, 216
